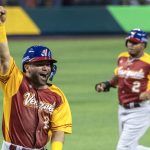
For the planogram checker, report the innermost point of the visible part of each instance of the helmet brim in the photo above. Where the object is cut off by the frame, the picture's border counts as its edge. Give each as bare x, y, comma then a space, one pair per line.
134, 40
42, 59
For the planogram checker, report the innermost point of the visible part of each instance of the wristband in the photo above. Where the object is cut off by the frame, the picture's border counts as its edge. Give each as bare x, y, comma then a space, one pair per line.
56, 145
107, 86
112, 83
3, 37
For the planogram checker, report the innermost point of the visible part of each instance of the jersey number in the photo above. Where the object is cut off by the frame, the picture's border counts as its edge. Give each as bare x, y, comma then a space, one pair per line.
136, 87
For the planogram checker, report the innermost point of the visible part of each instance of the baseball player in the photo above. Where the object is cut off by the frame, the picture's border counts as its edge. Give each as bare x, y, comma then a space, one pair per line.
132, 78
35, 111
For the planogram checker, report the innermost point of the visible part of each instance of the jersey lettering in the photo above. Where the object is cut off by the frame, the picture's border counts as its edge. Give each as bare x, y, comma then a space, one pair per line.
130, 73
31, 101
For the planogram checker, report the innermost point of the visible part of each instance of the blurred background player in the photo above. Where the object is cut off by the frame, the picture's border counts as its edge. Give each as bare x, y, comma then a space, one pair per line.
35, 111
132, 78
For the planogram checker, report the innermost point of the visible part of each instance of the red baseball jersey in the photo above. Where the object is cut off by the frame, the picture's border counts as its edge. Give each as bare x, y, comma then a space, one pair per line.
30, 115
133, 77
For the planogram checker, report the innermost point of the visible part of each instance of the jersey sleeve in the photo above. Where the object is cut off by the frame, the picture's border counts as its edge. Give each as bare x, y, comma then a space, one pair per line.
123, 54
9, 82
61, 117
116, 69
5, 77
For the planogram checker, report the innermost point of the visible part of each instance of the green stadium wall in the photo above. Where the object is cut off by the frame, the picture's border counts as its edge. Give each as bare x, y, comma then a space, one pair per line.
77, 20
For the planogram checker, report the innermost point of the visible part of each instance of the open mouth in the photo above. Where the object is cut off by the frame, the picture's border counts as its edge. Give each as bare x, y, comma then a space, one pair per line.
43, 76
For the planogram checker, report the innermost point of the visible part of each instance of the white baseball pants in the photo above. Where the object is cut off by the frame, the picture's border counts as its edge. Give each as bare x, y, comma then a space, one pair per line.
133, 123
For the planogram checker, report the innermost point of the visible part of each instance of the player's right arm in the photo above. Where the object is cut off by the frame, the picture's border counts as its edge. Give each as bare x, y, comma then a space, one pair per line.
106, 85
4, 49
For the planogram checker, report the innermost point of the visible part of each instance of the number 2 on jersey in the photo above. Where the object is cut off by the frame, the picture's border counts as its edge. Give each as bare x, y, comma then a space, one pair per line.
136, 87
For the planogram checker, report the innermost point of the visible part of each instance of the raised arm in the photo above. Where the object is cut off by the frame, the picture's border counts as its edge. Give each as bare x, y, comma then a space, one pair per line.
4, 49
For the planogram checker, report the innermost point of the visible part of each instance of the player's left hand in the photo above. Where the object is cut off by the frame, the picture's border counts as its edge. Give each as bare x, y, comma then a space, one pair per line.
145, 96
2, 14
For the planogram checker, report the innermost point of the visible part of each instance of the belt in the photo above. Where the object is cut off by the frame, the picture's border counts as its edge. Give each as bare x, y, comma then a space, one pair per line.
131, 105
14, 147
10, 146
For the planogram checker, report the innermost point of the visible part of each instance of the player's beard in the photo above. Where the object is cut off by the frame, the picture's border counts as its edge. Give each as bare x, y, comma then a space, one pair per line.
134, 53
39, 80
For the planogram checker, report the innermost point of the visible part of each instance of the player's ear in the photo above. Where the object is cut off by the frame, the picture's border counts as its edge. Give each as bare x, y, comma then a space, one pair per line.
26, 67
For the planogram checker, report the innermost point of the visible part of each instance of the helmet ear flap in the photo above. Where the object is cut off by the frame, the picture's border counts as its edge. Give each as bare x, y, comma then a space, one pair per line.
145, 45
126, 43
53, 72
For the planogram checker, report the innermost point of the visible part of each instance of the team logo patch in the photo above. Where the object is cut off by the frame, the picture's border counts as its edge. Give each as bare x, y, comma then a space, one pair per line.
44, 52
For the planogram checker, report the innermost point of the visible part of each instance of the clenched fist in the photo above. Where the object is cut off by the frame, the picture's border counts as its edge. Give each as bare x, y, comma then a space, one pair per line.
2, 14
100, 87
103, 86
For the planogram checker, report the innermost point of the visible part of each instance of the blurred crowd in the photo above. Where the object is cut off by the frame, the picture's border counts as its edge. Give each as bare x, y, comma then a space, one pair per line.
39, 3
109, 2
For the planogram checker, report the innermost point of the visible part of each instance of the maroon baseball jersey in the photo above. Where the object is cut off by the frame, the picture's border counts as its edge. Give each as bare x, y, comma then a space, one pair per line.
30, 115
133, 77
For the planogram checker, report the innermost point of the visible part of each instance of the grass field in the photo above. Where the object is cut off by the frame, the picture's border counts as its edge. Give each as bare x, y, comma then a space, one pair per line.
81, 64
